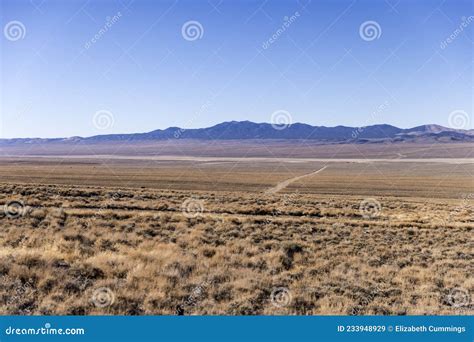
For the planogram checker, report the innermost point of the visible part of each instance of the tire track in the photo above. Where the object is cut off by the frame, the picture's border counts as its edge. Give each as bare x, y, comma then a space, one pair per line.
285, 183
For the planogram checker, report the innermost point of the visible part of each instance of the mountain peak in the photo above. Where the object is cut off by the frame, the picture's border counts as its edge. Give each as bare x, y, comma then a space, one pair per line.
244, 130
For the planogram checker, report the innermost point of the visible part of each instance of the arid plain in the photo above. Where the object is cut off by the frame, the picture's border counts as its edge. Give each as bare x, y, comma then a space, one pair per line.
337, 229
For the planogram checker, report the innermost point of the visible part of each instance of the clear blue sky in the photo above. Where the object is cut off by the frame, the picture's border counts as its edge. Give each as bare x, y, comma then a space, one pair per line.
319, 69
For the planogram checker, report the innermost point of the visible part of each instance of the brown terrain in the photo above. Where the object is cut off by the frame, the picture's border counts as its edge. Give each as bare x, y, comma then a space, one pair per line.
237, 228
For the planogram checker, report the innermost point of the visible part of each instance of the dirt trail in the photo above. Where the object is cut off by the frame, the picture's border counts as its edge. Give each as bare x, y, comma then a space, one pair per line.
285, 183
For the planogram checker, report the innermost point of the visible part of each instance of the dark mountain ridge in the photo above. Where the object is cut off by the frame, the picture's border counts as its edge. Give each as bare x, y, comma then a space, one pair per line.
245, 130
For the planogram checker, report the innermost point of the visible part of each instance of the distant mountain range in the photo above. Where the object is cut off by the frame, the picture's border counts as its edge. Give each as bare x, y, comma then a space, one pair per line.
245, 130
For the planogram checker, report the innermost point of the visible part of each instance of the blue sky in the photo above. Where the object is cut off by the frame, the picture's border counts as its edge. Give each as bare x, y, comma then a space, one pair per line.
322, 68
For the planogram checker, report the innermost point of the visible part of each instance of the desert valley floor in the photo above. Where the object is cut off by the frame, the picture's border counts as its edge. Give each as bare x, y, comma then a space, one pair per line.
153, 234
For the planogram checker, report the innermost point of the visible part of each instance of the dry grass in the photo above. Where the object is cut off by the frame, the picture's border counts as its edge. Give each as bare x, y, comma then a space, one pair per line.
106, 250
382, 178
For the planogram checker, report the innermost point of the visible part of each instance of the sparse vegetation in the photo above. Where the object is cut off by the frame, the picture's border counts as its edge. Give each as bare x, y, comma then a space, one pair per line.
134, 251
